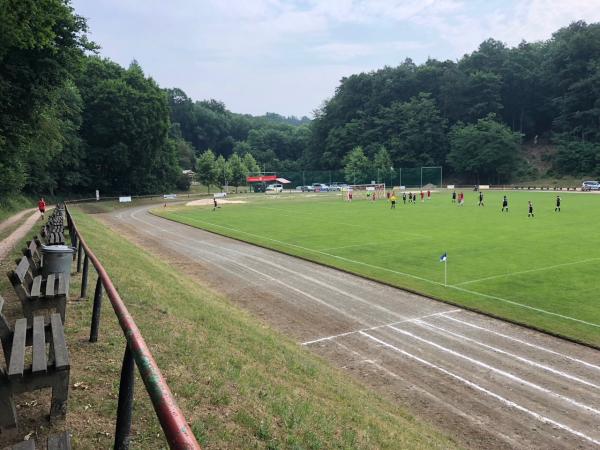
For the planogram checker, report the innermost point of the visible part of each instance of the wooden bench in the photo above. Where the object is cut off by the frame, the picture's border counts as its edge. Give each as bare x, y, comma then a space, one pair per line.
53, 235
33, 254
48, 369
39, 293
61, 441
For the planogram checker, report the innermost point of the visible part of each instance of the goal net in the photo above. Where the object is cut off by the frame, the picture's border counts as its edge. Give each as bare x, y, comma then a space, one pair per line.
365, 192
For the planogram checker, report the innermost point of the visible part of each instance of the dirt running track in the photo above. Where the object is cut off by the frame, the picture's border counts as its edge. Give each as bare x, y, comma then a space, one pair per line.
487, 383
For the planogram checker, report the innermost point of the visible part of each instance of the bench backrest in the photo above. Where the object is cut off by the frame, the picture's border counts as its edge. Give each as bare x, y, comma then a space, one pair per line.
21, 278
5, 331
33, 254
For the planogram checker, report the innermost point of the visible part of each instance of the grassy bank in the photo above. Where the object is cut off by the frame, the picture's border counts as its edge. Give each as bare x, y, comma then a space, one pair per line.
13, 204
538, 271
239, 384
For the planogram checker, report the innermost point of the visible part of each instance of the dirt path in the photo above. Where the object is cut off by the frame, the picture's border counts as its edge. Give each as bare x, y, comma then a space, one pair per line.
8, 243
14, 219
487, 383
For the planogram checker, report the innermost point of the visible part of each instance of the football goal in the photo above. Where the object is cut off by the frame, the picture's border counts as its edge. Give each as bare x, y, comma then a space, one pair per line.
371, 192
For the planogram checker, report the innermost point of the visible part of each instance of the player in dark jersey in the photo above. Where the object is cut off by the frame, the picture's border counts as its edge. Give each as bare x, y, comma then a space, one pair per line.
557, 208
530, 209
404, 197
453, 196
480, 199
505, 204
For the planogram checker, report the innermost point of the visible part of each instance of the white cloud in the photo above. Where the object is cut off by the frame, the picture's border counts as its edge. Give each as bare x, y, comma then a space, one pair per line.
288, 55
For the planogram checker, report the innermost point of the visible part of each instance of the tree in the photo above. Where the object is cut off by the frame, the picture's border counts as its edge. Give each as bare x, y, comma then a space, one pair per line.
125, 129
41, 46
238, 170
357, 167
486, 151
206, 169
222, 171
382, 163
250, 163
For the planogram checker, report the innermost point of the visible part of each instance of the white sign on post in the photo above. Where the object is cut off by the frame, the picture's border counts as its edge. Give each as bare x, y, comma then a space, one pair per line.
125, 199
97, 195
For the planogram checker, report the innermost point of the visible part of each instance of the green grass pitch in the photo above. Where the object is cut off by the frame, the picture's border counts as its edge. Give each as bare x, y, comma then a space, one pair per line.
542, 271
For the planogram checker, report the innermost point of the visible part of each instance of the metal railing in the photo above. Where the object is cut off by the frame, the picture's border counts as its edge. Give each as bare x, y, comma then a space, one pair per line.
174, 425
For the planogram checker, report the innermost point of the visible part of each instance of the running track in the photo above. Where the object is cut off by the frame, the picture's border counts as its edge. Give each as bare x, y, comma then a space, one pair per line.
487, 383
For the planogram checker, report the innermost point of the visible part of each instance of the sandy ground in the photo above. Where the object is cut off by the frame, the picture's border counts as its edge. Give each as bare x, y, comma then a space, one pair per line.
487, 383
209, 201
14, 219
7, 244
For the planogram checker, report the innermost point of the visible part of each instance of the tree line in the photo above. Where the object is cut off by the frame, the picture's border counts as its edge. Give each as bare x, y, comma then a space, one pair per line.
72, 121
472, 115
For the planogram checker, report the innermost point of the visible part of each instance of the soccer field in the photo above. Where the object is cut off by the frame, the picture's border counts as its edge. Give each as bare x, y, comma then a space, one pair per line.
542, 271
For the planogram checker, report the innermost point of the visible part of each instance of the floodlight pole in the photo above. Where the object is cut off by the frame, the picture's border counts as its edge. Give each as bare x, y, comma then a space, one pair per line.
421, 177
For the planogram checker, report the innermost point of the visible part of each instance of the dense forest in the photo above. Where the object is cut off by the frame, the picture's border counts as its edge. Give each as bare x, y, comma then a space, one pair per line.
72, 121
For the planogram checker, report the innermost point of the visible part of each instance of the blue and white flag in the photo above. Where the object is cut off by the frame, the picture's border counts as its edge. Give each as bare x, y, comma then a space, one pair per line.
444, 257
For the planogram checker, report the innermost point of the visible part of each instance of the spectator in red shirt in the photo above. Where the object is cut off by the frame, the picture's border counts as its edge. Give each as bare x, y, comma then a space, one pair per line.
42, 206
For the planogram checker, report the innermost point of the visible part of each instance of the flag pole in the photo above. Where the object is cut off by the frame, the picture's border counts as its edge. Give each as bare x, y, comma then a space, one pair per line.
446, 272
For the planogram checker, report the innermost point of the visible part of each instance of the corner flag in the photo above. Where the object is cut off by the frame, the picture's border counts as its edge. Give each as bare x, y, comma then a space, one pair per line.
444, 259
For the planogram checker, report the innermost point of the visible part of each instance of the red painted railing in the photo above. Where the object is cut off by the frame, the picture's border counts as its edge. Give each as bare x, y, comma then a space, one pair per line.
176, 429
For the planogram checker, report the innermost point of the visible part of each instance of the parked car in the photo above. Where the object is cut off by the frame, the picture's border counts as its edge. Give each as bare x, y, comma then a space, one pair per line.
336, 186
320, 187
275, 188
590, 186
305, 188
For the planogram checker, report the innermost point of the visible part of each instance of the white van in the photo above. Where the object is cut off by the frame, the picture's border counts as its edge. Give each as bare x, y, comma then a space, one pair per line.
275, 188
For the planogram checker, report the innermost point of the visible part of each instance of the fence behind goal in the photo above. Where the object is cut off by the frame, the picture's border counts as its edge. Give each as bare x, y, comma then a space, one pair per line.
412, 177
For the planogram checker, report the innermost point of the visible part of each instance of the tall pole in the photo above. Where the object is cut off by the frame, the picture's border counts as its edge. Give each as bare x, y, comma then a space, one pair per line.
400, 176
446, 272
421, 178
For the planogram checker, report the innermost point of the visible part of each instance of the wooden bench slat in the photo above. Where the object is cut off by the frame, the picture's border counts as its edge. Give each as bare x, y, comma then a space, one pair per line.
61, 354
61, 441
62, 284
22, 269
25, 445
17, 354
40, 363
36, 287
50, 285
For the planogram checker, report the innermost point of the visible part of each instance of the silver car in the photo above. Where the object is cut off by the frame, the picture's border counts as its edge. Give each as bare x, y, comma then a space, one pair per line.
590, 186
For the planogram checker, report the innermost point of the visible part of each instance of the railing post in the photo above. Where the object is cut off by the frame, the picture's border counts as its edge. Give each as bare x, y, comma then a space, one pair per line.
84, 276
96, 311
123, 428
79, 250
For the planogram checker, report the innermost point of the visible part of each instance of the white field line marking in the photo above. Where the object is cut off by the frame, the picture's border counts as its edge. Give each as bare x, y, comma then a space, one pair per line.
512, 355
533, 308
437, 283
355, 225
335, 336
537, 347
505, 374
539, 269
263, 261
479, 388
275, 280
368, 361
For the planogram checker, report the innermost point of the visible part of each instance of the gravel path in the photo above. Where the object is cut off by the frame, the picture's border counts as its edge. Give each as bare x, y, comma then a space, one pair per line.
487, 383
13, 239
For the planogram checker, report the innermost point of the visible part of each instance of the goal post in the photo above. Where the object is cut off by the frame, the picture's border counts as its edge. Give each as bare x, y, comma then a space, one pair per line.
373, 191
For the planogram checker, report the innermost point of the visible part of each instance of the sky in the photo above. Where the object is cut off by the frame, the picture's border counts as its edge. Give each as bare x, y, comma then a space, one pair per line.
288, 56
